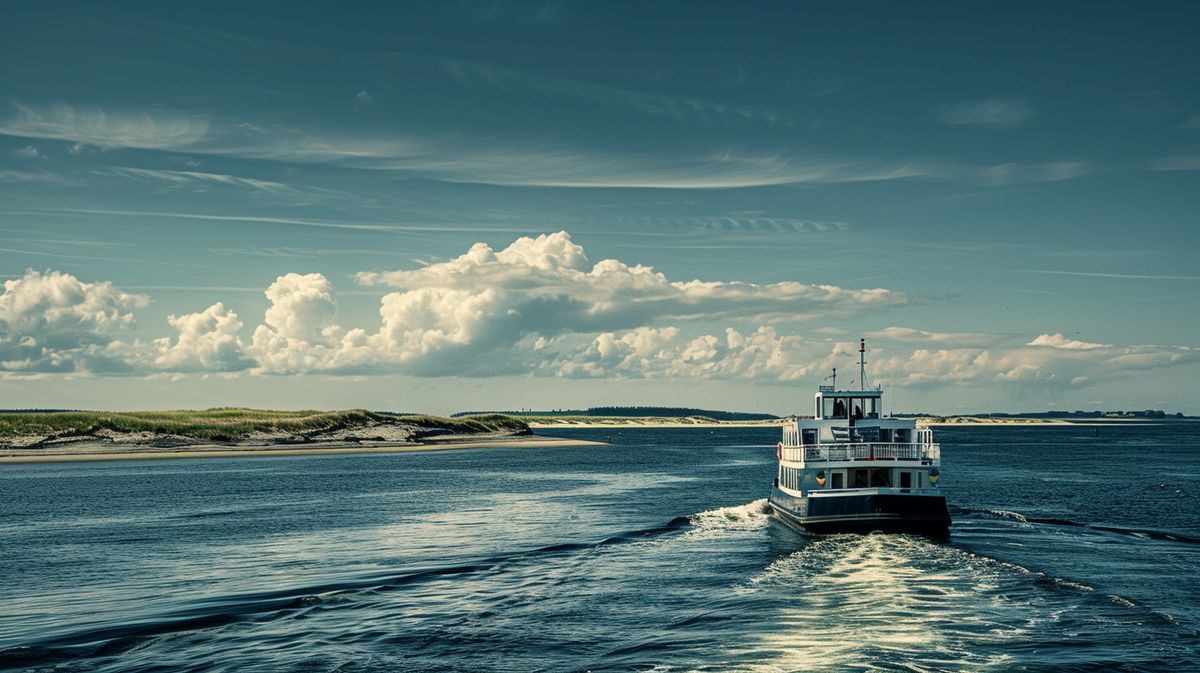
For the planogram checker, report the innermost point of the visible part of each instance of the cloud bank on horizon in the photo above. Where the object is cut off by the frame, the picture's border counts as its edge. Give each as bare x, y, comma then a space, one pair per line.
537, 306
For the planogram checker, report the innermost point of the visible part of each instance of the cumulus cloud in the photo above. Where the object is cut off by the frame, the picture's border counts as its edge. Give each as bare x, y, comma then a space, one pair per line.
208, 341
549, 281
1048, 358
538, 306
300, 331
1057, 340
53, 321
764, 354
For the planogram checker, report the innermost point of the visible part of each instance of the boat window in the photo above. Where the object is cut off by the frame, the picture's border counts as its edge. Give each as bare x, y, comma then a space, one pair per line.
901, 436
809, 436
838, 410
873, 407
885, 435
881, 477
837, 480
920, 480
906, 479
862, 478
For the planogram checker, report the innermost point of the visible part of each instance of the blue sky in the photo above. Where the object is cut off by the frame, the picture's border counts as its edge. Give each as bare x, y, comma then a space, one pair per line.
463, 205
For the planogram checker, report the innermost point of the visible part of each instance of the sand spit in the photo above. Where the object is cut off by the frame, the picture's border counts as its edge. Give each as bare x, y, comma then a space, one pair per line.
84, 451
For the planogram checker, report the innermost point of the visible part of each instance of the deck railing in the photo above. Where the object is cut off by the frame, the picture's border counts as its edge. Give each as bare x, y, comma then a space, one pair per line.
861, 451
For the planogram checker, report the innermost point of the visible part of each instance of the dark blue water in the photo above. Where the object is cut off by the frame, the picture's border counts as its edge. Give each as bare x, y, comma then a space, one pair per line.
1068, 552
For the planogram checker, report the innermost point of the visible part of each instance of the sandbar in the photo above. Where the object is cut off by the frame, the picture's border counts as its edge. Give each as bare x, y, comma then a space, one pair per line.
152, 453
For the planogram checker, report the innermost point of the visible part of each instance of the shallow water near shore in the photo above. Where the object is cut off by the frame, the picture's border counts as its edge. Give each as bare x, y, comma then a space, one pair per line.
1068, 552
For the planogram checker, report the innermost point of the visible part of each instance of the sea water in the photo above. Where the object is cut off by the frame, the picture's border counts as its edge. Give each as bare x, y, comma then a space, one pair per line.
1069, 552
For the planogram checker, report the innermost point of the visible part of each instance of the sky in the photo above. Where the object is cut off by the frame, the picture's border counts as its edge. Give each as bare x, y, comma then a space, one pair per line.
453, 206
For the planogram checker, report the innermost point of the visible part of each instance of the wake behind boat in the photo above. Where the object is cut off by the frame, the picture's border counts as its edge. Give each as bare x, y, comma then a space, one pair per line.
851, 468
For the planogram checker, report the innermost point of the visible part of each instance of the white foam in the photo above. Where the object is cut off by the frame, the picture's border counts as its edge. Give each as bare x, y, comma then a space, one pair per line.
1007, 514
854, 598
751, 516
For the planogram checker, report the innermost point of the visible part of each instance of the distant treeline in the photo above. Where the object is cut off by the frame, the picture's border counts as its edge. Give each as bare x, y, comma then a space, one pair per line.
627, 412
1148, 413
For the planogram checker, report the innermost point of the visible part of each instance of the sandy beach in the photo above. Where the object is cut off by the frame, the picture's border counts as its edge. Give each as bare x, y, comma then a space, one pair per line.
79, 453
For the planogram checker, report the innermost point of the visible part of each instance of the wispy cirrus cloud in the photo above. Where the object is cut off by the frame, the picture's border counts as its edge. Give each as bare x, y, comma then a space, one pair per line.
108, 128
912, 335
192, 178
992, 113
1106, 274
27, 152
503, 163
473, 73
1178, 162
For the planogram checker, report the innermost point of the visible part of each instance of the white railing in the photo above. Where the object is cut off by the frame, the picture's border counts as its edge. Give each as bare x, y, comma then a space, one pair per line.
861, 451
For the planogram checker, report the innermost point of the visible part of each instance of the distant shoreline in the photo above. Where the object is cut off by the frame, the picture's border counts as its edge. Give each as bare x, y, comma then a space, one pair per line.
964, 421
654, 423
90, 453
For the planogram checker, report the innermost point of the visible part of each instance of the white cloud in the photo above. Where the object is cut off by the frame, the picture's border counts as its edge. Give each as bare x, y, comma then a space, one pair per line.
1057, 340
200, 179
1049, 359
910, 335
302, 307
640, 350
208, 341
53, 321
993, 113
27, 152
520, 162
1178, 162
769, 356
139, 129
539, 306
300, 331
550, 283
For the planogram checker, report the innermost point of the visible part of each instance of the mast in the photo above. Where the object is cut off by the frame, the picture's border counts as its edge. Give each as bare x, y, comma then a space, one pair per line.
862, 364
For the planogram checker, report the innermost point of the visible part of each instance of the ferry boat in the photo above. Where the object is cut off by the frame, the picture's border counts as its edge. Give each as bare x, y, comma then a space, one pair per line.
852, 468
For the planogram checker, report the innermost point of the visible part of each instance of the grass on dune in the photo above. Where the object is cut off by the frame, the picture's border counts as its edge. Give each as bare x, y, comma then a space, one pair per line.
226, 423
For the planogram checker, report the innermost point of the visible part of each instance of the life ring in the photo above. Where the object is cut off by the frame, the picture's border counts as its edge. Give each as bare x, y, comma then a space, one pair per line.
779, 451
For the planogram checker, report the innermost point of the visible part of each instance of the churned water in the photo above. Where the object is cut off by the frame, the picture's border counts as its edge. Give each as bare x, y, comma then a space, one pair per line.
1069, 552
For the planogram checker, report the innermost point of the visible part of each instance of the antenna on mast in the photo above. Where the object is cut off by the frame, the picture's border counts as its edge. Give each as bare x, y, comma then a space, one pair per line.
834, 377
862, 364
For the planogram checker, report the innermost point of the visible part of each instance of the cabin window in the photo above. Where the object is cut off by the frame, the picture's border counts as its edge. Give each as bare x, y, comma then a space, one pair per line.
837, 480
885, 435
808, 436
881, 477
835, 407
901, 436
861, 478
873, 407
920, 480
820, 411
906, 479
